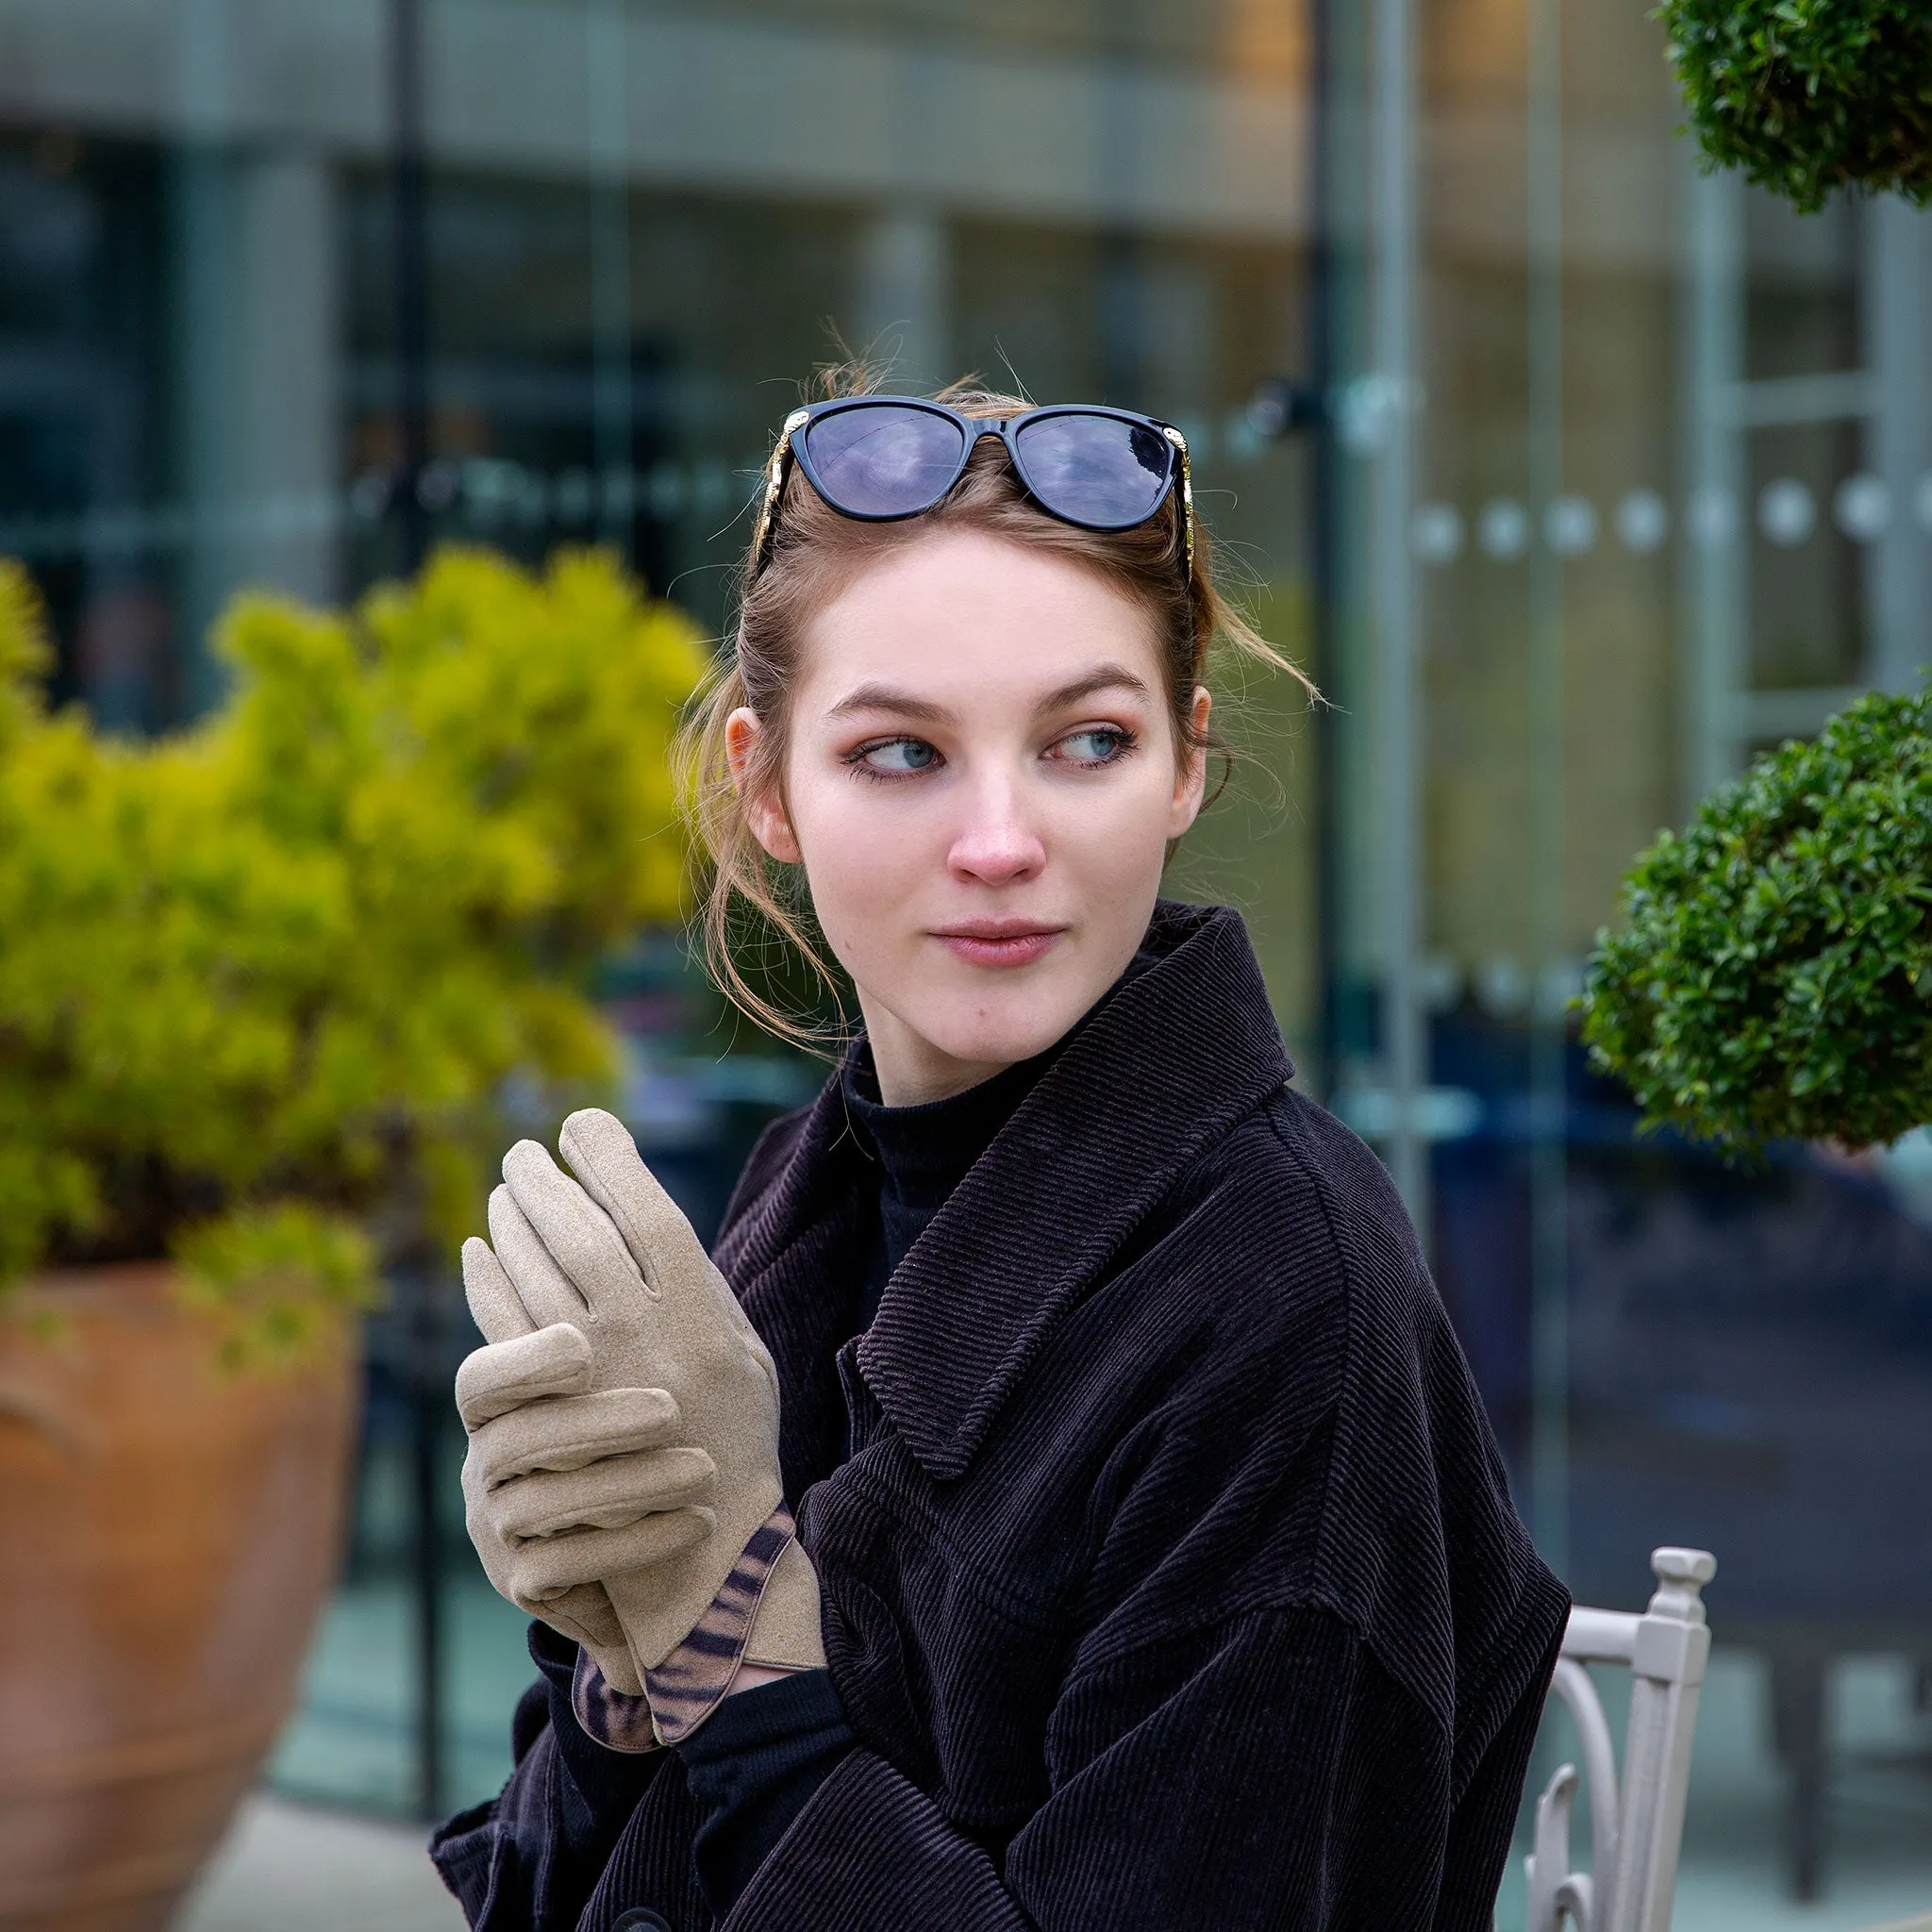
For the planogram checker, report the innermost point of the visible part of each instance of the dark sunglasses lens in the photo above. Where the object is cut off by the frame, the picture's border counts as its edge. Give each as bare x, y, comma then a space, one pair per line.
884, 461
1097, 469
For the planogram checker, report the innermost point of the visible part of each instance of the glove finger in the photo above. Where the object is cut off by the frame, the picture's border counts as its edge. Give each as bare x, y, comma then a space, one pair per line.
544, 1570
611, 1494
576, 1231
572, 1432
493, 1303
543, 1289
590, 1611
586, 1615
547, 1362
604, 1159
576, 1616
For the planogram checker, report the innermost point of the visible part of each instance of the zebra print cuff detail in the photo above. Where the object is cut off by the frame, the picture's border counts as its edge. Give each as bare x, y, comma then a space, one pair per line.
616, 1721
686, 1688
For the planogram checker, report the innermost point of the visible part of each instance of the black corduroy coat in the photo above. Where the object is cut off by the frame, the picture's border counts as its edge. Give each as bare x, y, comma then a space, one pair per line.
1170, 1575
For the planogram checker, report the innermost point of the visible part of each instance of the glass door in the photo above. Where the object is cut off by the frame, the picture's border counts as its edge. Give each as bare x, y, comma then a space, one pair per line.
1635, 478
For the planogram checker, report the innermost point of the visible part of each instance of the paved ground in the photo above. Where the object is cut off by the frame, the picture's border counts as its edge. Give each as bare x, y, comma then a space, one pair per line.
287, 1868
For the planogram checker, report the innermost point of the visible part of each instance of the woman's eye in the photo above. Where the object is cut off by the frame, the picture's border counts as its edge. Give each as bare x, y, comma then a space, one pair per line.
896, 757
1098, 745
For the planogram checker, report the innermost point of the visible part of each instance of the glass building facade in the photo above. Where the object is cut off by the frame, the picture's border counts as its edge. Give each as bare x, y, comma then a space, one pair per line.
1575, 475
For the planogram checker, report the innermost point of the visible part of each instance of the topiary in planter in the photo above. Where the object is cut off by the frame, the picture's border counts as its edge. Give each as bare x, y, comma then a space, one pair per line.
1810, 96
1773, 979
260, 982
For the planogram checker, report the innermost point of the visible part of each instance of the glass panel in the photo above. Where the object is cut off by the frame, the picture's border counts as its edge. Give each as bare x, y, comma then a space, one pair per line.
1657, 502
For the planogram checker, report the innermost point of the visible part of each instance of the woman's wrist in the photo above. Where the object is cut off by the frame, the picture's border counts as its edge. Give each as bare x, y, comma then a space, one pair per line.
750, 1676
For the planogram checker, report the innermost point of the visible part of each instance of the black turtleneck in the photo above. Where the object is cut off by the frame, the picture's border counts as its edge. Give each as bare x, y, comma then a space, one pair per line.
923, 1153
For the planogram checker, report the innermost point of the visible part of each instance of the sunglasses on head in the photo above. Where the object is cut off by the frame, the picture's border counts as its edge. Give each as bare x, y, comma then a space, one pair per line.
879, 459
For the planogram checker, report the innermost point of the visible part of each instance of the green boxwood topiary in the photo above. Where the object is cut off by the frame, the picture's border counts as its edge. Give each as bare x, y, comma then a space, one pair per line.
1810, 96
1773, 979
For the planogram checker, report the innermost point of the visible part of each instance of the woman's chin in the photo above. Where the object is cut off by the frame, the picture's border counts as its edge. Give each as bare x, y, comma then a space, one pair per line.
1000, 1038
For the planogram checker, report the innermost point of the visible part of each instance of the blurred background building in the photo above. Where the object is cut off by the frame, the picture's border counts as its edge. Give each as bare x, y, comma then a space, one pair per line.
1574, 475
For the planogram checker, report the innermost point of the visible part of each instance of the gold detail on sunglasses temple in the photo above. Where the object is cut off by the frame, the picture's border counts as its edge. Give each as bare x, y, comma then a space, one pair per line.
1180, 443
774, 484
781, 456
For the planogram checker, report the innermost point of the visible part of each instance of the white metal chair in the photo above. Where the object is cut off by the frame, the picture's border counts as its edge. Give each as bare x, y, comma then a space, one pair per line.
1636, 1822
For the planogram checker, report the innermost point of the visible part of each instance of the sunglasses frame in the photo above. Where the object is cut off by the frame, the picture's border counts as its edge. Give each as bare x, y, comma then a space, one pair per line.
791, 448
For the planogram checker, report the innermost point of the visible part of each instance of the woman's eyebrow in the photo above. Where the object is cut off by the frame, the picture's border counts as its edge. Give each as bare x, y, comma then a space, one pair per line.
877, 696
1107, 676
887, 697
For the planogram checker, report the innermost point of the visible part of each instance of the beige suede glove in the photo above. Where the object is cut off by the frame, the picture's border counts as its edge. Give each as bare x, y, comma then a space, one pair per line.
682, 1375
562, 1485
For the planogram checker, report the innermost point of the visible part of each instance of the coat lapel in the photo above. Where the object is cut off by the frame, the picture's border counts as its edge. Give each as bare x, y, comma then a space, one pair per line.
1169, 1062
794, 1258
1166, 1066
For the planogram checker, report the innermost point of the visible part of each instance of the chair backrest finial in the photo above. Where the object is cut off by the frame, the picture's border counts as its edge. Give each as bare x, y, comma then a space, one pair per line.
1637, 1816
1681, 1576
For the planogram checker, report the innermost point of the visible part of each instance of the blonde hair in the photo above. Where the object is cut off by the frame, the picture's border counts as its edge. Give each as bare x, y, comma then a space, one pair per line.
814, 552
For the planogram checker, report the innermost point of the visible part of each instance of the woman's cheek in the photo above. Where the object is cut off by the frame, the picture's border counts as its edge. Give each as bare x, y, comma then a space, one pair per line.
1120, 849
860, 864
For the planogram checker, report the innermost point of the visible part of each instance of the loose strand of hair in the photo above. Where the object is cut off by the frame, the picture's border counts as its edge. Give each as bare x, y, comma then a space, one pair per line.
741, 872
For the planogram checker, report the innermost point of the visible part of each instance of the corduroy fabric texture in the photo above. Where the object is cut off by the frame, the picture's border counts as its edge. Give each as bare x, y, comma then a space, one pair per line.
597, 1788
1171, 1578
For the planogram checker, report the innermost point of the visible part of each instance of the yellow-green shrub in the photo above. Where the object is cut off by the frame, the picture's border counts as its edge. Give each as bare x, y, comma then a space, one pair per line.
290, 955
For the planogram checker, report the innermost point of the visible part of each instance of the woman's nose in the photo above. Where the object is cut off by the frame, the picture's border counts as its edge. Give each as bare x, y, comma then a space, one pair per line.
997, 847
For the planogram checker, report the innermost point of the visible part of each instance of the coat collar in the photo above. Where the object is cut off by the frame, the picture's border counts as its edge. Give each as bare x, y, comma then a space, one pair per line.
1170, 1061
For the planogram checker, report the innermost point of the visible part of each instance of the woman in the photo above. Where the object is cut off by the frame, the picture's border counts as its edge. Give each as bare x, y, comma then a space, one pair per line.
1153, 1564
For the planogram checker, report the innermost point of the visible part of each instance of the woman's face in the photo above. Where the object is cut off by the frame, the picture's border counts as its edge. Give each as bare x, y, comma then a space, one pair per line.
981, 783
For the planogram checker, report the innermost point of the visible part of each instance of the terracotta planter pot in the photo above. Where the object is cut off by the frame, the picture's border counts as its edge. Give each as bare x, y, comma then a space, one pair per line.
167, 1536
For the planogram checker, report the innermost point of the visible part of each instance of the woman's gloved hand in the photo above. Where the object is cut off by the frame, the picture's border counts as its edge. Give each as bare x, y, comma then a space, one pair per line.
686, 1525
562, 1484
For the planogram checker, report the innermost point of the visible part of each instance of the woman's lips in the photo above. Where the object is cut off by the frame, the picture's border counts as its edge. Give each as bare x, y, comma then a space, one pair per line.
997, 942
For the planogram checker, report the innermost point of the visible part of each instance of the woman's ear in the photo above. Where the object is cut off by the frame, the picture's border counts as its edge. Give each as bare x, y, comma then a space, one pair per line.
1191, 768
763, 808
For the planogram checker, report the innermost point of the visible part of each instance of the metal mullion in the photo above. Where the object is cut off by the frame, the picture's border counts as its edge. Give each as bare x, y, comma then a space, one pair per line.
1399, 751
1548, 1143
